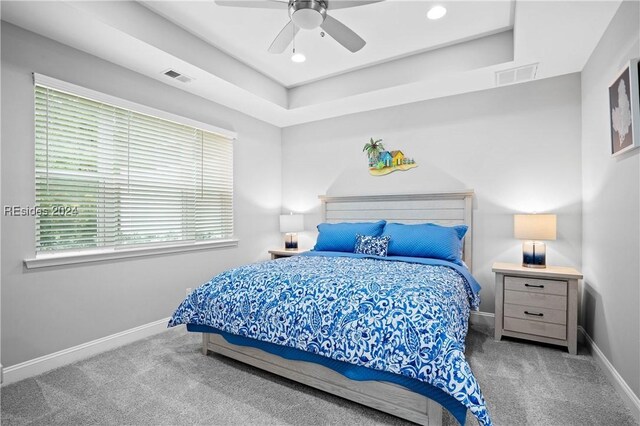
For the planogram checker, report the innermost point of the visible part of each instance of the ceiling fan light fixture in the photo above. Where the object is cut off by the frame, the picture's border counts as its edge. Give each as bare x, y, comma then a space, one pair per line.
307, 19
436, 12
311, 14
308, 14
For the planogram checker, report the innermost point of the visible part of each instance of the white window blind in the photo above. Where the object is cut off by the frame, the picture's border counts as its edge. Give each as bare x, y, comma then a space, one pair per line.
108, 176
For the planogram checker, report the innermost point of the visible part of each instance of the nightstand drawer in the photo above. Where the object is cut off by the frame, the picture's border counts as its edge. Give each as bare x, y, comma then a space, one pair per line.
535, 285
553, 316
537, 328
537, 300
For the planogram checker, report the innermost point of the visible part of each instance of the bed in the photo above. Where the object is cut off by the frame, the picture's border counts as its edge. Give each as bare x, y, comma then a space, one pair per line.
384, 332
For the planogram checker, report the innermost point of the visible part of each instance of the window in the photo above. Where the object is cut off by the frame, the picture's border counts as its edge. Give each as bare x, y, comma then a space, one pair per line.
113, 177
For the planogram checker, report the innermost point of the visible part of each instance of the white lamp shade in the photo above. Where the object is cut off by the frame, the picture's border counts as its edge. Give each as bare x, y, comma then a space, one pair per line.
534, 226
291, 223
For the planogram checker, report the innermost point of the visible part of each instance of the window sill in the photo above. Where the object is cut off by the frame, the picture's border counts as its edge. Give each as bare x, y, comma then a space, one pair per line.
73, 258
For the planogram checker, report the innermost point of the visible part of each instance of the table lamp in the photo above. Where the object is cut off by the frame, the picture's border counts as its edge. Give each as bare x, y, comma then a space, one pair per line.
532, 228
290, 224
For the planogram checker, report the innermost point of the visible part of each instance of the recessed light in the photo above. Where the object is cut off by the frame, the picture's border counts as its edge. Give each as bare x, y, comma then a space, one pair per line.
436, 12
298, 58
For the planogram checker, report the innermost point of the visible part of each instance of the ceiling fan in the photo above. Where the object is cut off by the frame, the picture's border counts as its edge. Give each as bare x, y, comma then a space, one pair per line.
308, 14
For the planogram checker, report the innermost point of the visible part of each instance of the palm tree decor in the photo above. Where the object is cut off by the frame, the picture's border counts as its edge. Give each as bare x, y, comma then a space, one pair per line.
382, 162
373, 149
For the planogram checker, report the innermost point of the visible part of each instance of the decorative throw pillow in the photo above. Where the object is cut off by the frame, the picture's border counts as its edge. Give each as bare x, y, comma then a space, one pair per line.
366, 244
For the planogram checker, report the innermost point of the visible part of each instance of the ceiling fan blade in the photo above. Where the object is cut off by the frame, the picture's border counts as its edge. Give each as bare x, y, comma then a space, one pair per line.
284, 38
343, 4
343, 34
257, 4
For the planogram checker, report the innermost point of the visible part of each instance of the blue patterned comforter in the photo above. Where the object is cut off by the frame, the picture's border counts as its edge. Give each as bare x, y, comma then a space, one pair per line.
405, 316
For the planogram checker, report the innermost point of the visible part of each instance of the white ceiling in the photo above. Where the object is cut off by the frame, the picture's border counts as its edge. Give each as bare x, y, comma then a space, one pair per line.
392, 29
407, 57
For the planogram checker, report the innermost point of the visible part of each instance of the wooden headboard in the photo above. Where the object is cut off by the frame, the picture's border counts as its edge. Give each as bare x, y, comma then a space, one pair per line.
443, 208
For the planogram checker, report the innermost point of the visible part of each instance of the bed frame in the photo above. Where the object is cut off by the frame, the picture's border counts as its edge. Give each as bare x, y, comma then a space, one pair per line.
446, 208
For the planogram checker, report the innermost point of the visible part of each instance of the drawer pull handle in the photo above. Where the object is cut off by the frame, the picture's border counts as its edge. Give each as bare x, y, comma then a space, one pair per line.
534, 285
537, 314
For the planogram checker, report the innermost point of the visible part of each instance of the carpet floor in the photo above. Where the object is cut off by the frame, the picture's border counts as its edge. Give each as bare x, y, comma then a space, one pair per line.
165, 380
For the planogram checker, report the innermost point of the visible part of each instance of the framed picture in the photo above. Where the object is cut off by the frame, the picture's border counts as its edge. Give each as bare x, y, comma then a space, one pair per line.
624, 109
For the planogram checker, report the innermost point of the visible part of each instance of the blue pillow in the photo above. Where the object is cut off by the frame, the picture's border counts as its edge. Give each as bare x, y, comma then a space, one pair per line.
366, 244
342, 236
426, 240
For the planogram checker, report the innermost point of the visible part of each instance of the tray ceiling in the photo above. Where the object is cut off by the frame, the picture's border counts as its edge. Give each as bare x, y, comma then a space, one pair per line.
392, 29
408, 58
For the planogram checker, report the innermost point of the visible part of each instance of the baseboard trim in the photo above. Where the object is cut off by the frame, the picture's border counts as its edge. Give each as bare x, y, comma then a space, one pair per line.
24, 370
482, 318
630, 399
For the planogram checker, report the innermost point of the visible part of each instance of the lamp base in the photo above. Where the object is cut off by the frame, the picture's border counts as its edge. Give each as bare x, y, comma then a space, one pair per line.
529, 265
291, 241
534, 254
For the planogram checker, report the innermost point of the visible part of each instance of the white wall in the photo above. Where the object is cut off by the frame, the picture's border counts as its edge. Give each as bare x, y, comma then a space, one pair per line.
44, 311
611, 207
518, 147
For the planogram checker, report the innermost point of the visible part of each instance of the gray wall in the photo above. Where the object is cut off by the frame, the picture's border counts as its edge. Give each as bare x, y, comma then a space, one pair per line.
611, 206
518, 147
44, 311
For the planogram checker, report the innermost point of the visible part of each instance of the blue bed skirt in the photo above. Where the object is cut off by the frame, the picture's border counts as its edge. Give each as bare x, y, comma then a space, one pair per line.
353, 372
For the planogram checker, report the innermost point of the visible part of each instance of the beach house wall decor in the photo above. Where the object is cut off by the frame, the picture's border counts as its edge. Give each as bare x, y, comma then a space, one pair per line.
383, 162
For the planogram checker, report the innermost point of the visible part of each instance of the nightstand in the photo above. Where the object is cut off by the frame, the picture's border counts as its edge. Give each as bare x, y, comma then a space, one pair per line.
537, 304
278, 253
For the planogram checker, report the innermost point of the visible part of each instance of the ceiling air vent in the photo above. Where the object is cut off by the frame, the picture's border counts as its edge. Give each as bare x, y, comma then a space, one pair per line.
516, 75
180, 77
